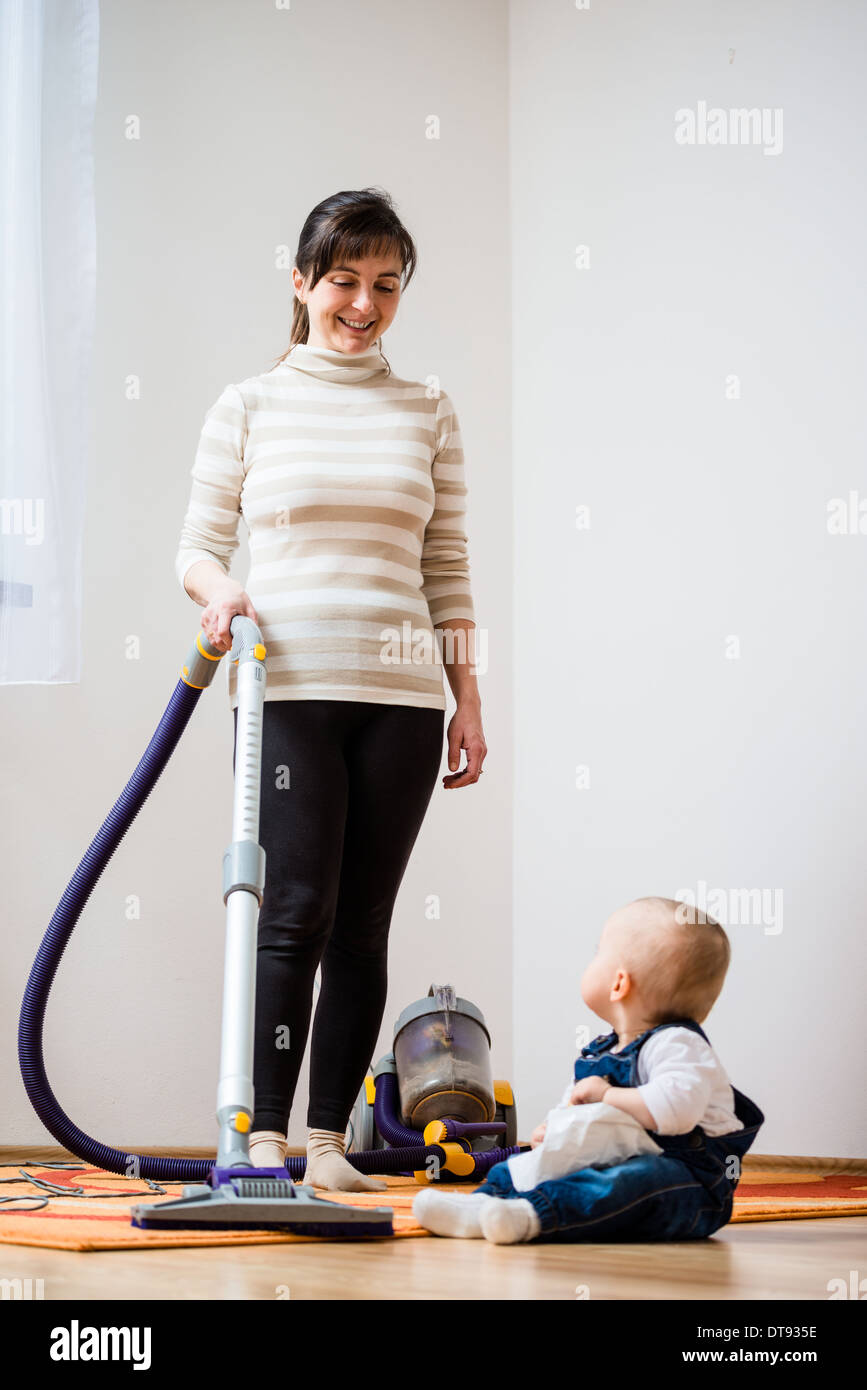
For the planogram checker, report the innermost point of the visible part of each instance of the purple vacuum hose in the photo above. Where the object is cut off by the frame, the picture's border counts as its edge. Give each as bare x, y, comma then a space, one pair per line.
410, 1155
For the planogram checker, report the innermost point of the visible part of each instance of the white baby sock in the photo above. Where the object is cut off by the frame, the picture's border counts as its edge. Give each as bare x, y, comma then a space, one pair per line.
268, 1149
509, 1221
327, 1167
452, 1213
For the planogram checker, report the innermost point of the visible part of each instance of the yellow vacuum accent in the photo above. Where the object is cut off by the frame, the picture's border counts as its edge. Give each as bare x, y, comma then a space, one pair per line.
370, 1089
503, 1093
434, 1132
458, 1161
242, 1122
212, 656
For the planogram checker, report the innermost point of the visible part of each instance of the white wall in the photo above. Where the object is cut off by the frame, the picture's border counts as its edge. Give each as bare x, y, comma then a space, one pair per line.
708, 519
246, 124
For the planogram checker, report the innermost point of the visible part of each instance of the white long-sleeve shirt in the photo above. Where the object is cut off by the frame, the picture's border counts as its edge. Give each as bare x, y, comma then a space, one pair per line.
683, 1083
351, 483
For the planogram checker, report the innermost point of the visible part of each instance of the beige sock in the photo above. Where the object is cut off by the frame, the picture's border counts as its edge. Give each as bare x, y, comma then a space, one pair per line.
327, 1167
268, 1149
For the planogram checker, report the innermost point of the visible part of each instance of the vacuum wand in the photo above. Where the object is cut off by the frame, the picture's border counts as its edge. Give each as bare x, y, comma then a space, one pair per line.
243, 885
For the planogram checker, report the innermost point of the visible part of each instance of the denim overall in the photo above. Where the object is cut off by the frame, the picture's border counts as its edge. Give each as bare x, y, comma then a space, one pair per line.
684, 1193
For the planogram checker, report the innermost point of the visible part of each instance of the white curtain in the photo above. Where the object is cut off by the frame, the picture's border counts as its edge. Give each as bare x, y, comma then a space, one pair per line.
48, 75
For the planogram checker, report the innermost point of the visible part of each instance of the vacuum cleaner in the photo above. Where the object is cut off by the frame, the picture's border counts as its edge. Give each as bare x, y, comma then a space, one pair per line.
435, 1089
460, 1109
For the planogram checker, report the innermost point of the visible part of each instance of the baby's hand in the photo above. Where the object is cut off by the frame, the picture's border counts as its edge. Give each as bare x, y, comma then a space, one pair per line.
537, 1136
590, 1089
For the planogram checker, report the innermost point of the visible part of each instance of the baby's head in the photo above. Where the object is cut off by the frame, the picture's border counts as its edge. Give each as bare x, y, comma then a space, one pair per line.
657, 960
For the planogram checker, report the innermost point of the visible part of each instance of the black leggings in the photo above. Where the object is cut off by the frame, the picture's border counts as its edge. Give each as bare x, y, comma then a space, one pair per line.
344, 789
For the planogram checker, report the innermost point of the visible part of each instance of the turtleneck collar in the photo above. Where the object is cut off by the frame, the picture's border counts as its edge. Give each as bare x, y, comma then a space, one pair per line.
330, 365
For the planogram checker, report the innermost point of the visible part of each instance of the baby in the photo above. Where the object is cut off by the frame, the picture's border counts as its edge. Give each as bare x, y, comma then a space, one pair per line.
647, 1141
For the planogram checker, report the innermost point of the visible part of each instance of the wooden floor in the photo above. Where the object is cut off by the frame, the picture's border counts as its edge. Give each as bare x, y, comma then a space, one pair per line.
756, 1260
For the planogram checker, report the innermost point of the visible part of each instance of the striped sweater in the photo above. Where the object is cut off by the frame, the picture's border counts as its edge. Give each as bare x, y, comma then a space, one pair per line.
351, 484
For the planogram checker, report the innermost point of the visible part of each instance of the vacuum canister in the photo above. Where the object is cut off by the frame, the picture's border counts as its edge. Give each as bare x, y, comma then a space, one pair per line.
442, 1055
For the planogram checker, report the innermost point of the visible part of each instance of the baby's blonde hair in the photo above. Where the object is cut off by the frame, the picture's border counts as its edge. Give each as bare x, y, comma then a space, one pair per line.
680, 969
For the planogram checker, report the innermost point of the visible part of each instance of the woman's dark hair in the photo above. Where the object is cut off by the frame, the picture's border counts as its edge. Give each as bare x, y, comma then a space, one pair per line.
348, 226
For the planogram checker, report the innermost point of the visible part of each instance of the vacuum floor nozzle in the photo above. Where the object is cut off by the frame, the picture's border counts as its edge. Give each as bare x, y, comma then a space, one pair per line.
259, 1198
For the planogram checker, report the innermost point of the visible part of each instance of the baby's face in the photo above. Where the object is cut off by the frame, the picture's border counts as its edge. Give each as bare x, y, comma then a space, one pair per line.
597, 978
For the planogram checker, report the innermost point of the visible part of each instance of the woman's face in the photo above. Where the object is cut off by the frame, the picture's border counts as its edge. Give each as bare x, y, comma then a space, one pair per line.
365, 292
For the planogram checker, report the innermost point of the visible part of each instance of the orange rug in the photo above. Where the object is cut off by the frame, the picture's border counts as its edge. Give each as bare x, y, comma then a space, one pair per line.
99, 1220
779, 1194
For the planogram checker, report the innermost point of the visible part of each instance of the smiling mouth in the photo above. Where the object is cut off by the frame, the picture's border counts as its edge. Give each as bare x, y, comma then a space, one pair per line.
356, 326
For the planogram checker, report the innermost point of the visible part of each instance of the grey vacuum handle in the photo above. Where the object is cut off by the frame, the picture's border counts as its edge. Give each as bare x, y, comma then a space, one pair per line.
245, 637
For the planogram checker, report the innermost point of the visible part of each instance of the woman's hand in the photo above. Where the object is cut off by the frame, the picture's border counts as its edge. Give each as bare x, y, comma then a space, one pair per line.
218, 615
537, 1136
465, 731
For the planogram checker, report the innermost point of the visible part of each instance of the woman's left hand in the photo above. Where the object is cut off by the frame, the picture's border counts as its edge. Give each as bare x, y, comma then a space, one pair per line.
465, 731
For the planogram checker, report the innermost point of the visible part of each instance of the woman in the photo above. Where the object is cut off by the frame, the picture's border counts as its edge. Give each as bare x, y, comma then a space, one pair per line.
351, 482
